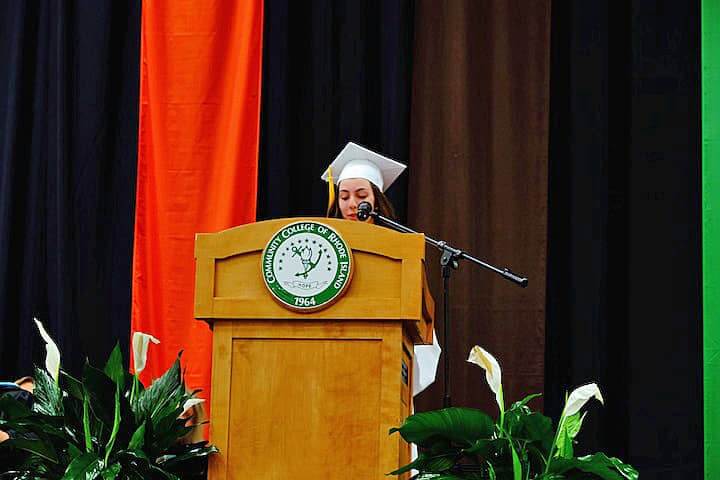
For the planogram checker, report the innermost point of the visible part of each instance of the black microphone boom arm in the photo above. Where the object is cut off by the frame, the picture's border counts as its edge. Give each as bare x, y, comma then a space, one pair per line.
449, 261
450, 253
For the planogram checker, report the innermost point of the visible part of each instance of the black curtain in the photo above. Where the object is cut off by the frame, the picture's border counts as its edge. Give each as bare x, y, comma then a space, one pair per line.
333, 71
624, 286
69, 84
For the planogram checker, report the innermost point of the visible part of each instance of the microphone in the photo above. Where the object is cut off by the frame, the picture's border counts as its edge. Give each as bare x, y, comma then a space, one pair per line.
364, 210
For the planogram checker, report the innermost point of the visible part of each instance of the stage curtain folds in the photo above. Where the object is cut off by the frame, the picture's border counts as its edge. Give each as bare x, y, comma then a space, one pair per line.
624, 285
68, 154
334, 71
478, 178
197, 162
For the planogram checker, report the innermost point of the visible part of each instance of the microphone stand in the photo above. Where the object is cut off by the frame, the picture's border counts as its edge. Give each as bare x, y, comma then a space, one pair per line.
449, 261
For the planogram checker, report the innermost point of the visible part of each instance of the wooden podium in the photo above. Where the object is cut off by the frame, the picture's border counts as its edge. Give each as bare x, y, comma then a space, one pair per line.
312, 395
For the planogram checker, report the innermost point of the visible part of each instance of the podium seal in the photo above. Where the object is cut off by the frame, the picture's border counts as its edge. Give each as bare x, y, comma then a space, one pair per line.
307, 266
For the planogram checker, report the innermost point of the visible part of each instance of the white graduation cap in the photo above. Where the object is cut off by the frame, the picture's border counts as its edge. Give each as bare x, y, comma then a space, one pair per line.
355, 161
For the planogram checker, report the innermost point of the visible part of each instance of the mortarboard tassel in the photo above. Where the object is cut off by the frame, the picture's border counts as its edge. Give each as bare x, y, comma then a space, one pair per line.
331, 192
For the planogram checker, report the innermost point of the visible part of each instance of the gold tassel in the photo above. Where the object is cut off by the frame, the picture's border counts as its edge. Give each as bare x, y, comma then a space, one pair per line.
331, 192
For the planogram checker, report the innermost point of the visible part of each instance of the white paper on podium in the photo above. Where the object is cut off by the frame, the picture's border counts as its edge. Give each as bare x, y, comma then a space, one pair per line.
425, 365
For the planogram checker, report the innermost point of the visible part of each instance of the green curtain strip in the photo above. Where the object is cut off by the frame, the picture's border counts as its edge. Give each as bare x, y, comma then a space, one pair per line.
710, 65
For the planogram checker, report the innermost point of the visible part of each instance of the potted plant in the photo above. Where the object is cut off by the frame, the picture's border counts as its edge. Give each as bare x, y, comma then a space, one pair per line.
104, 424
467, 444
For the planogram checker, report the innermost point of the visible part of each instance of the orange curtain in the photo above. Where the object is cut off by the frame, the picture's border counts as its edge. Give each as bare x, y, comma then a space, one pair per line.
197, 162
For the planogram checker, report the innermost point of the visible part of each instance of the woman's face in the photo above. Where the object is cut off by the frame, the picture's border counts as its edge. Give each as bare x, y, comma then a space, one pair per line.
353, 191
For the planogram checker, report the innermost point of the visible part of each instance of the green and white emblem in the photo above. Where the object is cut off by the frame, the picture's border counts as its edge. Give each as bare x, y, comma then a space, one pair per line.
307, 266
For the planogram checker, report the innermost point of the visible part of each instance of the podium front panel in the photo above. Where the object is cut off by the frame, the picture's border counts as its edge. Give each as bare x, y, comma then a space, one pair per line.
307, 400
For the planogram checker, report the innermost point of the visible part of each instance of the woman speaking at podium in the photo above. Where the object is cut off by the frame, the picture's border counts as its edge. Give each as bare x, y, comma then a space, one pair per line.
363, 176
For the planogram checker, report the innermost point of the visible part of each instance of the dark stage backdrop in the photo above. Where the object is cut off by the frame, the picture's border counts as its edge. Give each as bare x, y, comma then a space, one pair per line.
341, 70
68, 152
479, 179
333, 71
619, 195
624, 237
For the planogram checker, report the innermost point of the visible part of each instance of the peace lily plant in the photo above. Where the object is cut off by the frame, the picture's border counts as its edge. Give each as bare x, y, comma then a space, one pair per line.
140, 344
466, 444
104, 424
52, 353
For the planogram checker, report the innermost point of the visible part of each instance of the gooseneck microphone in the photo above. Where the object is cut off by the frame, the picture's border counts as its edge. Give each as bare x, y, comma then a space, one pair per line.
364, 210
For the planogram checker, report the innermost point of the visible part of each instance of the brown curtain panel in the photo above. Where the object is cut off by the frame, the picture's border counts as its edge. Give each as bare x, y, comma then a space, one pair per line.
478, 178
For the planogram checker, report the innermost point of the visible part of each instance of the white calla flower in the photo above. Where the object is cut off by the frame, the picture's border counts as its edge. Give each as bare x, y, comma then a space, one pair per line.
190, 403
482, 358
52, 353
579, 397
140, 343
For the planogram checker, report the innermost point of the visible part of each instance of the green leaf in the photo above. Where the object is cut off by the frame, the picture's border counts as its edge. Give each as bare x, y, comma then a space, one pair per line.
114, 367
37, 447
73, 386
133, 455
429, 464
537, 429
164, 397
163, 472
525, 401
189, 452
107, 404
598, 464
491, 471
138, 438
111, 472
417, 464
573, 427
116, 423
165, 433
517, 411
442, 476
563, 446
461, 425
47, 393
517, 467
133, 389
73, 419
626, 470
87, 465
37, 425
484, 447
86, 424
74, 451
101, 391
492, 450
161, 404
135, 464
568, 430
